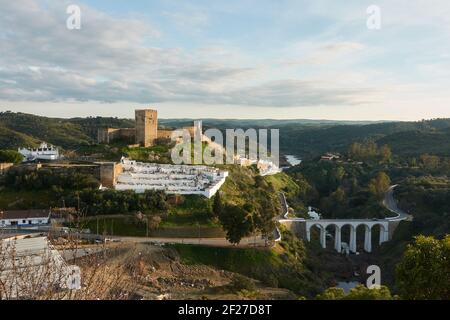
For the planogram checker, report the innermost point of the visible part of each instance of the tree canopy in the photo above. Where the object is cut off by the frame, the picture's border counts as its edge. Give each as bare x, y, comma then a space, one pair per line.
424, 271
10, 156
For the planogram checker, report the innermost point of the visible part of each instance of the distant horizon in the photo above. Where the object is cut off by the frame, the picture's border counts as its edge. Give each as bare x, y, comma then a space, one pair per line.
224, 119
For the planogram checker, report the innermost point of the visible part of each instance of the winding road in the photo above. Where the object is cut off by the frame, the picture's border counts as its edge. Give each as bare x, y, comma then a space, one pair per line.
390, 204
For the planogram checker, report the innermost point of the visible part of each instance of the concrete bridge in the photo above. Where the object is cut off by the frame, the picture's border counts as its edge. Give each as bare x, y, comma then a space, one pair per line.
386, 226
338, 224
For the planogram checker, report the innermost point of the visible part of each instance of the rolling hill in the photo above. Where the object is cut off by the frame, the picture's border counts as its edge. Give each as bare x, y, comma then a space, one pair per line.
303, 138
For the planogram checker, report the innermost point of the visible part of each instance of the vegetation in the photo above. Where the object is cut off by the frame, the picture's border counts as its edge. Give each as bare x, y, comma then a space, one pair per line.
287, 266
249, 202
415, 155
10, 156
424, 271
360, 292
379, 185
340, 189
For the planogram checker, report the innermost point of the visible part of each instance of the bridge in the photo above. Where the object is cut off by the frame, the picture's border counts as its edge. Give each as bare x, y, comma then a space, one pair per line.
386, 226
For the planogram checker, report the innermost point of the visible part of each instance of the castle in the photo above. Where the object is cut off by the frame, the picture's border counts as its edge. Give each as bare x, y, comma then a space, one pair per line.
145, 133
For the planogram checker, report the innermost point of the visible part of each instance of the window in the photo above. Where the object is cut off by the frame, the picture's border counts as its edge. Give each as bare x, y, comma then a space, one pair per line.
24, 221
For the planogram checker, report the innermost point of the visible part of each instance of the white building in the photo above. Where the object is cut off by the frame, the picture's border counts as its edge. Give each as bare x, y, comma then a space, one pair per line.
177, 179
24, 218
313, 214
265, 167
43, 152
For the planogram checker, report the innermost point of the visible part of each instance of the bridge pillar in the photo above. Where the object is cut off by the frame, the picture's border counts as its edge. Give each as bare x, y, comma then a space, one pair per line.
368, 239
384, 235
352, 244
323, 237
337, 239
308, 233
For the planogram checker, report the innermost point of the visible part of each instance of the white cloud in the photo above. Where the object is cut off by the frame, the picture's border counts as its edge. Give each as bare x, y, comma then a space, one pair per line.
111, 60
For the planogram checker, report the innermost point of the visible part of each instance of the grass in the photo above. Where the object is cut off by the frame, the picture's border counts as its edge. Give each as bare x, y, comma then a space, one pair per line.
192, 211
275, 268
282, 182
129, 226
162, 152
120, 226
244, 261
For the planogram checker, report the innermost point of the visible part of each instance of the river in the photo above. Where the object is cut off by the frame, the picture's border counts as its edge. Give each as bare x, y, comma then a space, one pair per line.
347, 285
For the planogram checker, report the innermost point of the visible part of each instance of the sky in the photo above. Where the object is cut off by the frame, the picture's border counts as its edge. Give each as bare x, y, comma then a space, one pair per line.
260, 59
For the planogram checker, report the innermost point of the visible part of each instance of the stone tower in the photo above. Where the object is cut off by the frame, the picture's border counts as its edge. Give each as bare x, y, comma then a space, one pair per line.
146, 127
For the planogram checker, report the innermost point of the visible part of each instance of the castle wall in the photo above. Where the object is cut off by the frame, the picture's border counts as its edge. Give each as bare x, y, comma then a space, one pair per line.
108, 135
164, 133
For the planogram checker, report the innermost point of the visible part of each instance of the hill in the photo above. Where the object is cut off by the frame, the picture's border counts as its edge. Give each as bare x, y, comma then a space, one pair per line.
21, 129
10, 139
406, 138
303, 138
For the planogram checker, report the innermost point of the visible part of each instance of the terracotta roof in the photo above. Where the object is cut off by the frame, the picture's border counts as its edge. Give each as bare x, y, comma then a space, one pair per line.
24, 214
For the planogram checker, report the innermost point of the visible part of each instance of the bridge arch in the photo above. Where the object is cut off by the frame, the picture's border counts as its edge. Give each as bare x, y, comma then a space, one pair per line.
336, 226
322, 233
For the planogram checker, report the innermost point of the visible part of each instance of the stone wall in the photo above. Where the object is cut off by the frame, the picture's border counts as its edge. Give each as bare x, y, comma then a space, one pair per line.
109, 172
108, 135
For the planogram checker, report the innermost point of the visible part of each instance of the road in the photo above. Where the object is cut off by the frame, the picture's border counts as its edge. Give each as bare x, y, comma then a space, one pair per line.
253, 241
390, 204
215, 242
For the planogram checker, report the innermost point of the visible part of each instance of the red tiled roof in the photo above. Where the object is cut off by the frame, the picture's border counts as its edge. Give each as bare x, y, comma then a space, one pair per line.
24, 214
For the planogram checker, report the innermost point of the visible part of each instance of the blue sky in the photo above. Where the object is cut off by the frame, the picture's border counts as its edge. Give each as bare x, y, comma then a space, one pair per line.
227, 59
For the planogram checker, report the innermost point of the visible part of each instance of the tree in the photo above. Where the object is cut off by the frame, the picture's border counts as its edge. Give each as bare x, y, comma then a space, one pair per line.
360, 292
379, 184
385, 153
236, 222
430, 162
265, 217
154, 222
424, 271
217, 205
333, 293
10, 156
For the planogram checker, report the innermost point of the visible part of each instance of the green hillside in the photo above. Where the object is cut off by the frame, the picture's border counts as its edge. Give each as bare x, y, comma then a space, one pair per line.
21, 129
59, 132
413, 143
406, 138
10, 139
306, 139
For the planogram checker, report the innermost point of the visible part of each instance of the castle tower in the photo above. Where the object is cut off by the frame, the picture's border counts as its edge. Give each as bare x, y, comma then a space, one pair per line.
146, 127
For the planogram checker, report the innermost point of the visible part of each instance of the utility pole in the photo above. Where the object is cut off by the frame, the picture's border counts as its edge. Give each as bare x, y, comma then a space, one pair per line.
198, 228
78, 202
97, 225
